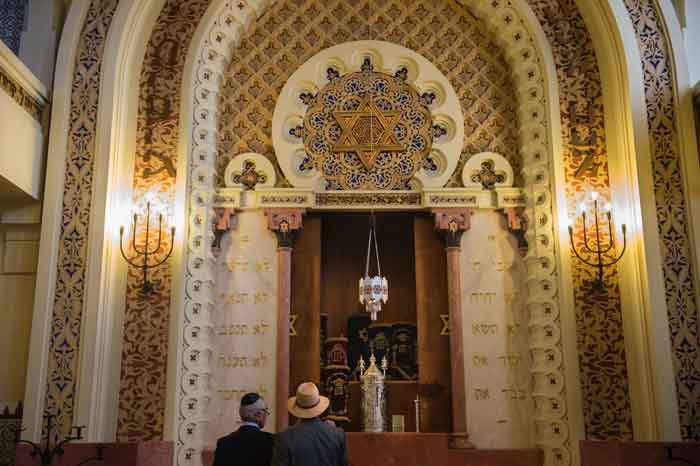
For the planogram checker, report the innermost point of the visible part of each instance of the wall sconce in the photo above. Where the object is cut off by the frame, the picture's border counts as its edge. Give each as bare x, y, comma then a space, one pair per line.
46, 452
146, 257
594, 246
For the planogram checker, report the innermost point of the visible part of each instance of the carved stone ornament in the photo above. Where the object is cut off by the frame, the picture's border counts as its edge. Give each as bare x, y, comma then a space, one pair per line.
367, 115
452, 223
285, 223
367, 130
250, 171
487, 170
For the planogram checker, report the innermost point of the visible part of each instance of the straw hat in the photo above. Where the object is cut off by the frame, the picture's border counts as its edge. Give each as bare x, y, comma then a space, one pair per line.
308, 403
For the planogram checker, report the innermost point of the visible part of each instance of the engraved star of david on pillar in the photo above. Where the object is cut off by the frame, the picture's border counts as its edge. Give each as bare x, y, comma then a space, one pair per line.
367, 131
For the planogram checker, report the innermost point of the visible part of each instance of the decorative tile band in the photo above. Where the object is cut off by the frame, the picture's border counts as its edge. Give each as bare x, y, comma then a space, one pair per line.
671, 209
73, 237
351, 199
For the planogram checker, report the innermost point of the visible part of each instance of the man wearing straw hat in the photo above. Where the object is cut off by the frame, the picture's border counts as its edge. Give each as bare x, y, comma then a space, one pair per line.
249, 445
310, 442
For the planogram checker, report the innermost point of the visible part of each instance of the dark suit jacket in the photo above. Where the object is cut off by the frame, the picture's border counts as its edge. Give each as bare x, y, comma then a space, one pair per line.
310, 443
248, 446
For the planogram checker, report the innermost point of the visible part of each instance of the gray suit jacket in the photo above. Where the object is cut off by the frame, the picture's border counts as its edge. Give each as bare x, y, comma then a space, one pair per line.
310, 443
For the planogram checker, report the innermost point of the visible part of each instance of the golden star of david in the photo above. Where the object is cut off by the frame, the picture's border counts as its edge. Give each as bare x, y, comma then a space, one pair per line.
367, 131
445, 318
292, 325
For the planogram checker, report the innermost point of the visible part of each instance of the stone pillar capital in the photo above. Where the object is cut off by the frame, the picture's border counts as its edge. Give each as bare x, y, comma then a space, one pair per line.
452, 223
285, 224
514, 217
517, 225
222, 223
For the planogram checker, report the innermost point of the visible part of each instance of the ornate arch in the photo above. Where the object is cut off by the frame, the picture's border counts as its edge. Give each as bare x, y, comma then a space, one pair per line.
513, 24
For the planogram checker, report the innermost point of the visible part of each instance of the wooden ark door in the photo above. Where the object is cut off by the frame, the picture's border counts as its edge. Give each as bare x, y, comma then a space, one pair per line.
305, 345
433, 344
327, 262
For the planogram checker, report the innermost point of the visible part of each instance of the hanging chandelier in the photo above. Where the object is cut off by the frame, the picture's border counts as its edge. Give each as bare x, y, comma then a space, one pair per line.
373, 290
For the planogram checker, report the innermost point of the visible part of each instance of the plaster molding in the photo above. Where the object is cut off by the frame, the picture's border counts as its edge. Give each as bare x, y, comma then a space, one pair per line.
37, 370
18, 72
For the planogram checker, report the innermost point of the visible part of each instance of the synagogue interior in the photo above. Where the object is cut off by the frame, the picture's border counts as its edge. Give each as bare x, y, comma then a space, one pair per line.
474, 225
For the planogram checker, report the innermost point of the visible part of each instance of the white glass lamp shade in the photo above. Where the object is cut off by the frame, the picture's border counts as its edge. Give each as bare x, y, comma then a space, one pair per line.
373, 292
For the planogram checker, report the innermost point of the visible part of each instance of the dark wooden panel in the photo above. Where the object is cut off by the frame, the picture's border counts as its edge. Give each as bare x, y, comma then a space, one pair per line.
433, 348
343, 257
306, 304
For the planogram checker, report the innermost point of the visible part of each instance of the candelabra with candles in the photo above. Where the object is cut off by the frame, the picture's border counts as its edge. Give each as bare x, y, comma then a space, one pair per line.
373, 291
46, 452
148, 256
595, 246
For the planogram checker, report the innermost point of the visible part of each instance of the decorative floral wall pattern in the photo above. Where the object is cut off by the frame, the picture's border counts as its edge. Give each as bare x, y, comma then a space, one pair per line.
607, 409
145, 343
671, 210
73, 239
12, 22
286, 36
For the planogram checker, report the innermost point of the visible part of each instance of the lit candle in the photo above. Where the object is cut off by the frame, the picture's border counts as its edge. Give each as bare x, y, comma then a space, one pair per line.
417, 403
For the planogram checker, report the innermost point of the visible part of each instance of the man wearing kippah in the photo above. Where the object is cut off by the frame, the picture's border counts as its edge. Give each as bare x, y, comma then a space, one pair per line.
249, 445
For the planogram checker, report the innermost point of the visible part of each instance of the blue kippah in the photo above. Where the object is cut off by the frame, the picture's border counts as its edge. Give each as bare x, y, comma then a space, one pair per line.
249, 398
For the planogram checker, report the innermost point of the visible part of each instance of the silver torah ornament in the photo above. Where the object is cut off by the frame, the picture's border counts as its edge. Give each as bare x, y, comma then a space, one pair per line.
374, 417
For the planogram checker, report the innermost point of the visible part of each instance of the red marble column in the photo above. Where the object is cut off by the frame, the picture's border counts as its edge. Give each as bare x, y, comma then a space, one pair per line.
452, 223
285, 223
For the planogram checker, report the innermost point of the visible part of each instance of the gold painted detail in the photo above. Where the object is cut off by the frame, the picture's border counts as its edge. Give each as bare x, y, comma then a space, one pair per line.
366, 130
366, 199
293, 318
249, 176
298, 199
445, 330
24, 99
514, 200
452, 200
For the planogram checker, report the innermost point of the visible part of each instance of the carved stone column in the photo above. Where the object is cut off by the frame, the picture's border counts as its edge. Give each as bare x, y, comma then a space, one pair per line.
285, 223
451, 223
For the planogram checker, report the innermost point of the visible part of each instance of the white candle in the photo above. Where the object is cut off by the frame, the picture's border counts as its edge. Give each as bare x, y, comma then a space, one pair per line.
417, 403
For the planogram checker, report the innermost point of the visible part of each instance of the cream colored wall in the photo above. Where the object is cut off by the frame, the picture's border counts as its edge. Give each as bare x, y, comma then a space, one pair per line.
691, 33
19, 247
23, 148
44, 23
22, 152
